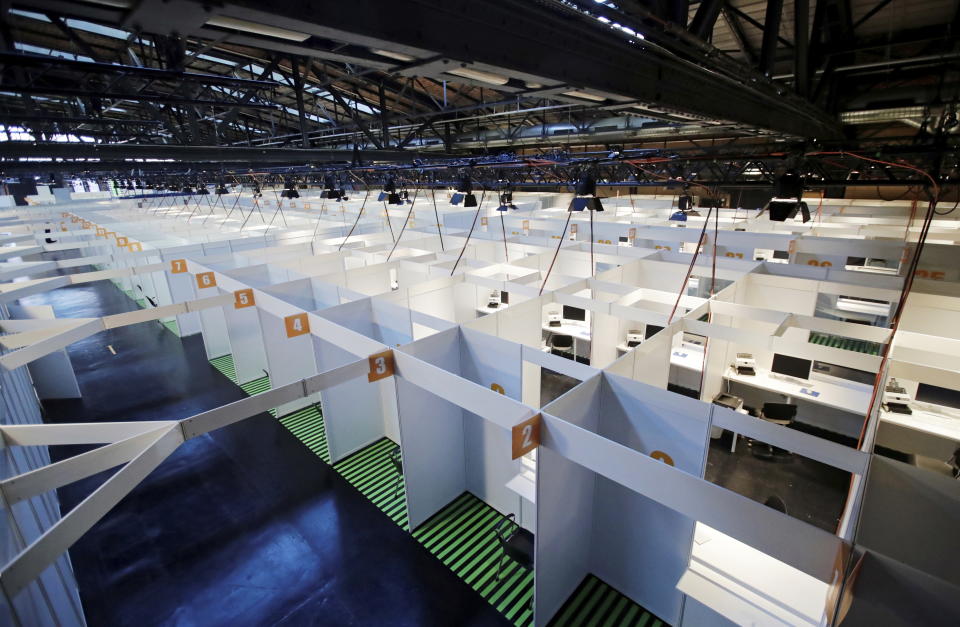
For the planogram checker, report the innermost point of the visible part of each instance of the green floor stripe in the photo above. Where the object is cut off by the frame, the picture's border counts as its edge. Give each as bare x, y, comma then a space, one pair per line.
306, 424
225, 365
371, 471
596, 604
844, 343
172, 326
461, 536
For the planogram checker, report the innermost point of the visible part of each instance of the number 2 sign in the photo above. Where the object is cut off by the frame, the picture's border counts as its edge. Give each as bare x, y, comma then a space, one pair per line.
526, 436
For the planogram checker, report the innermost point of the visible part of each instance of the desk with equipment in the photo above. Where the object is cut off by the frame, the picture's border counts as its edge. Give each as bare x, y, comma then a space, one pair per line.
566, 332
826, 402
922, 420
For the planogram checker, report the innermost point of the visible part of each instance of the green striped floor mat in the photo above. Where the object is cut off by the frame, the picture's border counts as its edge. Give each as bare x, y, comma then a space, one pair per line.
224, 364
845, 343
461, 536
596, 604
307, 426
371, 471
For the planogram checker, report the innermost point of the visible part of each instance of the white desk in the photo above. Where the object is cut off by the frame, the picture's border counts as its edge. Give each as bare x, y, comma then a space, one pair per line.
922, 432
524, 485
854, 398
842, 408
489, 310
580, 331
749, 587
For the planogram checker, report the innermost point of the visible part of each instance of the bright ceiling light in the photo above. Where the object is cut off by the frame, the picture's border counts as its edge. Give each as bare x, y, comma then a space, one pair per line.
257, 29
479, 75
585, 95
399, 56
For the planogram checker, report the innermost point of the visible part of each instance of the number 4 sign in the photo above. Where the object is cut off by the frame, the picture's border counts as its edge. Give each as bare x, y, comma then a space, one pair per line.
297, 324
526, 436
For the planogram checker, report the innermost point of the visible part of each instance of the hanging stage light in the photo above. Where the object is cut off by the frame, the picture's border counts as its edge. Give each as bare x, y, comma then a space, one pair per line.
289, 190
221, 188
787, 198
586, 191
587, 186
202, 188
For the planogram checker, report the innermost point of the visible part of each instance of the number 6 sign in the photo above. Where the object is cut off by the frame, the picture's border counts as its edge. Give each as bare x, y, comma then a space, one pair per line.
206, 279
526, 436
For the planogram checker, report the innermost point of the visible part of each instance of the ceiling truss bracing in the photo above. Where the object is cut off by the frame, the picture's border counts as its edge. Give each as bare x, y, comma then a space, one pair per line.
519, 77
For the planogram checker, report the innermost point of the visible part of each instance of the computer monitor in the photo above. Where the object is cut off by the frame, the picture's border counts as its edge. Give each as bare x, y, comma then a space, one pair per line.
936, 395
650, 331
791, 366
574, 313
781, 254
504, 297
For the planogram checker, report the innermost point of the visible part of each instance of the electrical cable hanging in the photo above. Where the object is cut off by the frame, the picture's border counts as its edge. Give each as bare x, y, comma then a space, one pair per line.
436, 213
472, 226
406, 221
357, 221
563, 234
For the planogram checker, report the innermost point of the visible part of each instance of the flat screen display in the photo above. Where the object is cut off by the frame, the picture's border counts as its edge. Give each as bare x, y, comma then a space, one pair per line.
574, 313
791, 366
650, 331
936, 395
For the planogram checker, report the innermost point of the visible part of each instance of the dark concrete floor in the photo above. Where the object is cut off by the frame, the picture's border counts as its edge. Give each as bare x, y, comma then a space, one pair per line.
813, 492
243, 526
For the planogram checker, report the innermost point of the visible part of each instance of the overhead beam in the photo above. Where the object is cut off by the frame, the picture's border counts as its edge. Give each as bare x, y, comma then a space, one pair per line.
771, 33
557, 50
110, 95
94, 67
212, 154
801, 38
705, 18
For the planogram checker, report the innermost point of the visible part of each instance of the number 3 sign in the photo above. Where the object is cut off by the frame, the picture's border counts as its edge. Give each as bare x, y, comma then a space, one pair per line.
526, 436
381, 366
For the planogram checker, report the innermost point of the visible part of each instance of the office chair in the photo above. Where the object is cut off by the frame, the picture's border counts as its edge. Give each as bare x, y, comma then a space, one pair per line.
515, 542
561, 345
779, 414
397, 462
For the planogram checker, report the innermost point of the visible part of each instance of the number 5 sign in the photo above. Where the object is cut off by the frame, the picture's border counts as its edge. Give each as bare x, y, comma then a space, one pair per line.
526, 436
381, 366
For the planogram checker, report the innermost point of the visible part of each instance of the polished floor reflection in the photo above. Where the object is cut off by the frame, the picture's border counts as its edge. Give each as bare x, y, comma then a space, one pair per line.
243, 526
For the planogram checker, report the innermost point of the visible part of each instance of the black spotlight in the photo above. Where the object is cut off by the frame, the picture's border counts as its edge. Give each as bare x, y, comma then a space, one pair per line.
587, 186
469, 200
289, 190
594, 204
685, 203
221, 188
202, 188
187, 189
393, 198
786, 201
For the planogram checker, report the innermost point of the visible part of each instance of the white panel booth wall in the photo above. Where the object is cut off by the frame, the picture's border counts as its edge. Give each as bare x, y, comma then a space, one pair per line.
447, 449
609, 503
591, 524
353, 416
